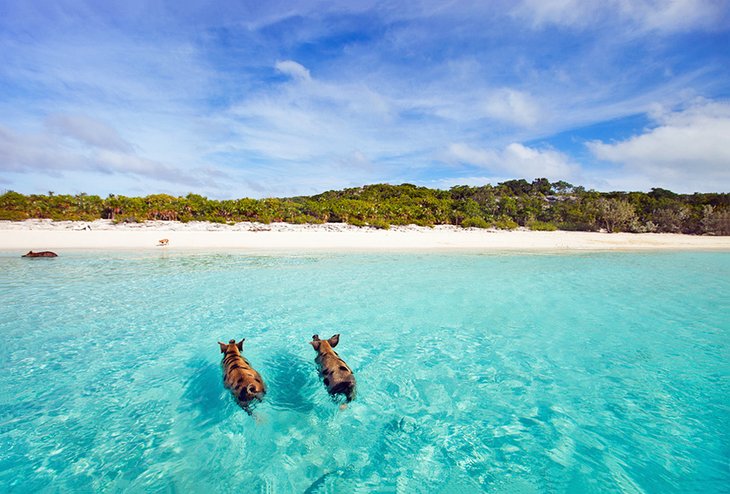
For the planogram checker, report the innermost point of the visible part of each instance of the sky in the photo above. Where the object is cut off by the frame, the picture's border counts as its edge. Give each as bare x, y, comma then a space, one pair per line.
282, 98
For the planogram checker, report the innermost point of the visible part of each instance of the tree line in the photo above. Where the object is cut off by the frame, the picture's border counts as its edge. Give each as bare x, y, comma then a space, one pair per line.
538, 205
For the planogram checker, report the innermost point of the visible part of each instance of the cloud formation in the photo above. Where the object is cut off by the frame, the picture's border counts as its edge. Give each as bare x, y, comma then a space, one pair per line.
294, 70
288, 98
650, 15
75, 143
88, 130
513, 106
685, 150
517, 160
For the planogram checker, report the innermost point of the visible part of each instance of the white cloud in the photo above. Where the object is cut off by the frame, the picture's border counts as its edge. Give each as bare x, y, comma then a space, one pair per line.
562, 12
49, 154
293, 69
315, 123
687, 150
674, 15
517, 161
88, 130
171, 98
648, 15
513, 106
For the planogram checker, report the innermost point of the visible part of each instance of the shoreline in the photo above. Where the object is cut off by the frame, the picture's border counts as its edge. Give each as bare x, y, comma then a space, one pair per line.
41, 235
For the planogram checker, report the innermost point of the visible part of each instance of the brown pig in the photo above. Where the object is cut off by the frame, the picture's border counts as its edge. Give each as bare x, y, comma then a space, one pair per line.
337, 376
238, 375
45, 253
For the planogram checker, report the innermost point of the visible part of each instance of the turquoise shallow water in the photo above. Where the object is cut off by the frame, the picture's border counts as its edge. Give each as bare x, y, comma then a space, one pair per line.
494, 373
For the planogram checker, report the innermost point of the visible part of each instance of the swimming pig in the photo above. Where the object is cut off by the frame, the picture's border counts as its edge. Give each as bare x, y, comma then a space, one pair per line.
337, 376
238, 375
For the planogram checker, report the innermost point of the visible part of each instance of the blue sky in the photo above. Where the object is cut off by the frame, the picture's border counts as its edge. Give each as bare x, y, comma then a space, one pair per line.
289, 98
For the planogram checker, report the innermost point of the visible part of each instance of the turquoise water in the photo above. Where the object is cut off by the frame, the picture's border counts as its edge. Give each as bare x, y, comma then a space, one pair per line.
494, 373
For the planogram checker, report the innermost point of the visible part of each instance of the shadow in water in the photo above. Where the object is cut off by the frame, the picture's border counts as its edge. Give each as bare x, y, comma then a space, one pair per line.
291, 381
203, 393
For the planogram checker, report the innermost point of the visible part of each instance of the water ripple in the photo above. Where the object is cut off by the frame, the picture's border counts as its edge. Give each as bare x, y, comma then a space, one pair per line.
587, 373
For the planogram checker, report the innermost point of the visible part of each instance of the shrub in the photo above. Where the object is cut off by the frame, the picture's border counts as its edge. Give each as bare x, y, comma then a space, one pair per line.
356, 222
13, 215
298, 220
379, 224
616, 215
474, 222
670, 219
715, 221
506, 224
543, 226
639, 227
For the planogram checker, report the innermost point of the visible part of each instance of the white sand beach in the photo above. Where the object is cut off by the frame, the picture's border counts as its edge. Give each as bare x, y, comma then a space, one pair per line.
103, 234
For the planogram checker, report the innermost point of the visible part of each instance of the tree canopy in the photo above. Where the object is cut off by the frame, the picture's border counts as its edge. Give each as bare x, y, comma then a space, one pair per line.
539, 205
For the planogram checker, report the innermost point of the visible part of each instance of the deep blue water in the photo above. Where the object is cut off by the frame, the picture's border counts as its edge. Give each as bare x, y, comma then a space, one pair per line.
495, 373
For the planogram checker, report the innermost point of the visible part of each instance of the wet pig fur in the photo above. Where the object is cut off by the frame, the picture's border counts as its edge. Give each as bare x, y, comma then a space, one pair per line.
337, 375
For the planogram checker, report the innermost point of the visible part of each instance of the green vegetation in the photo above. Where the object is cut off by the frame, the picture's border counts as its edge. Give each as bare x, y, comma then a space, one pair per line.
475, 222
541, 226
539, 205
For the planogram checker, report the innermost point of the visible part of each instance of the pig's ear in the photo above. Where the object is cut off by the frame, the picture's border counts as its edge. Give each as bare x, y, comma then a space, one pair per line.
315, 344
240, 344
223, 347
334, 340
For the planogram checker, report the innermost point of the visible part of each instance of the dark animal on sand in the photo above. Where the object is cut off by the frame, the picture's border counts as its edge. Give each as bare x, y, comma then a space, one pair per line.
45, 253
337, 376
238, 375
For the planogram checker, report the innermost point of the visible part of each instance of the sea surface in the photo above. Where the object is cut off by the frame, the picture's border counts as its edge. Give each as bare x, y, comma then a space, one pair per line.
507, 373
